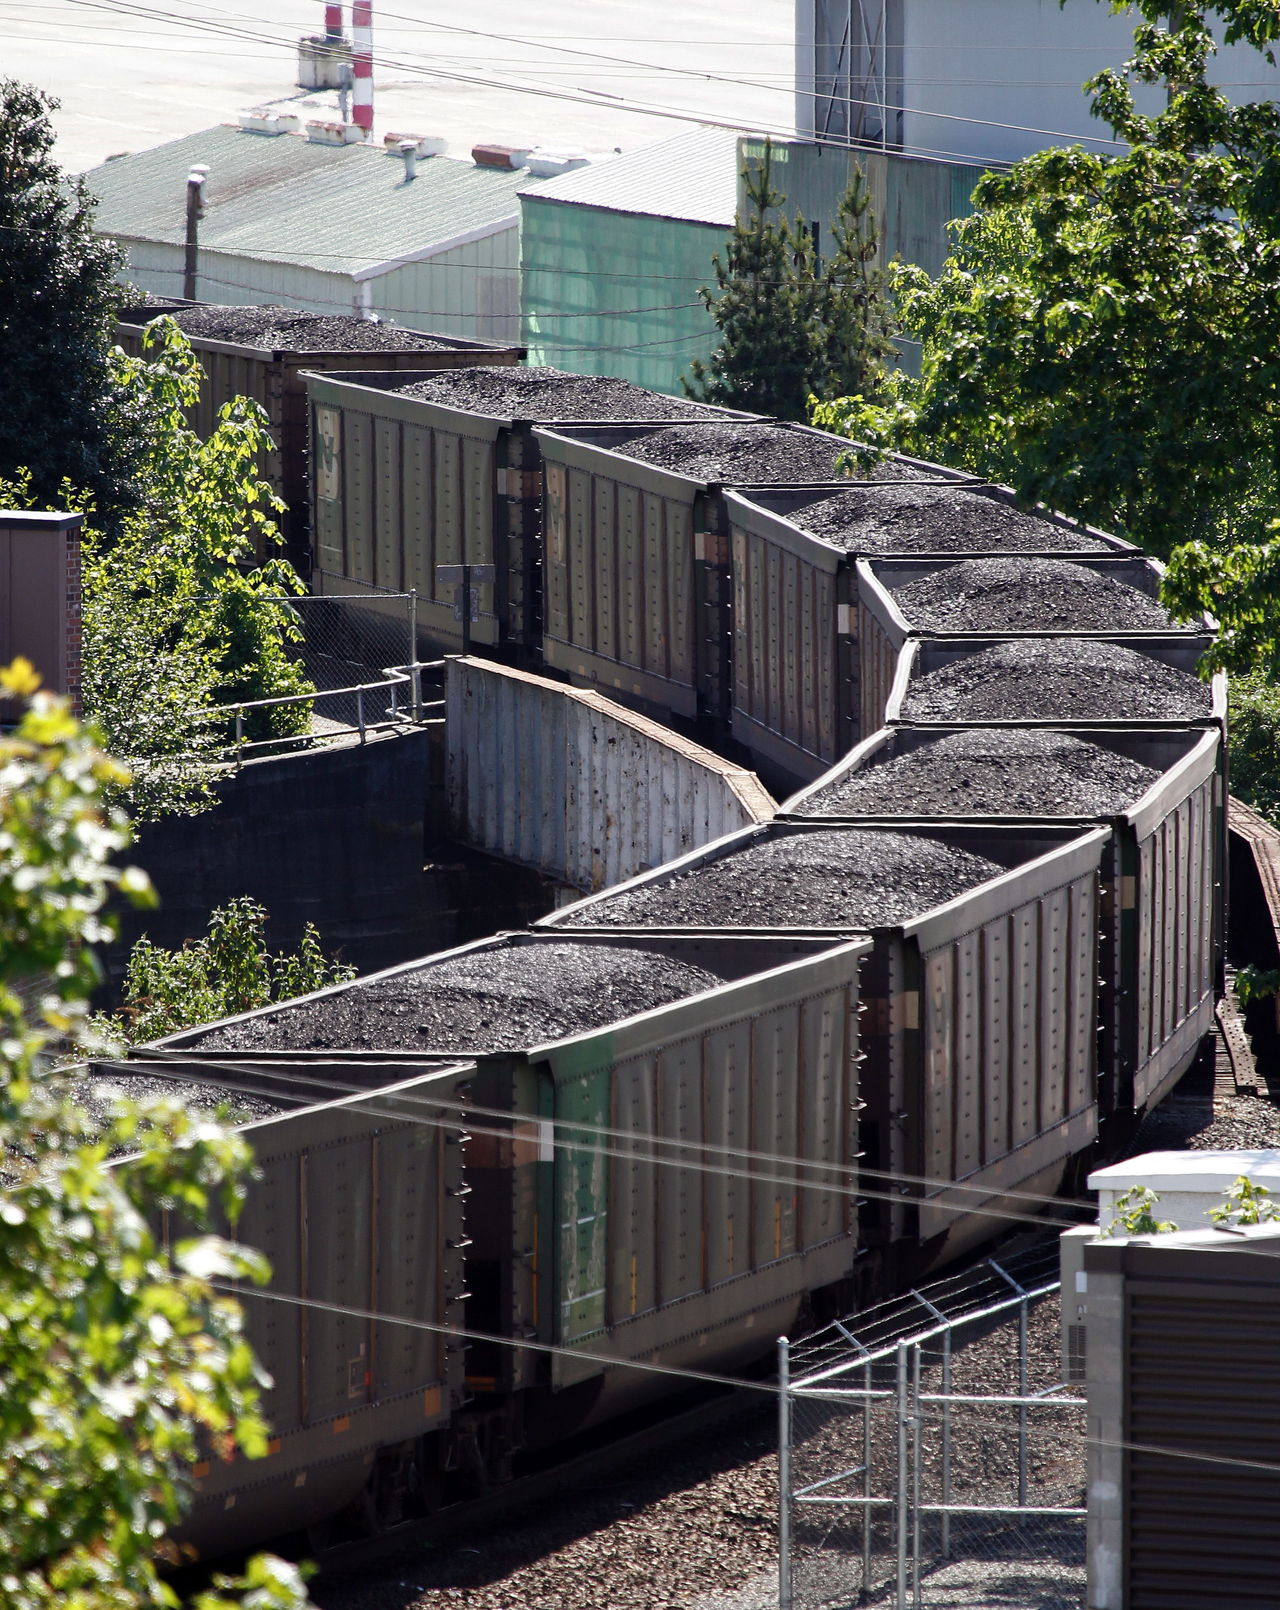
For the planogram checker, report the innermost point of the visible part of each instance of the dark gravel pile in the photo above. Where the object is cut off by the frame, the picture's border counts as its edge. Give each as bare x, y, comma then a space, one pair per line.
99, 1093
746, 453
988, 773
546, 394
934, 519
833, 878
1027, 595
1063, 679
497, 1000
286, 327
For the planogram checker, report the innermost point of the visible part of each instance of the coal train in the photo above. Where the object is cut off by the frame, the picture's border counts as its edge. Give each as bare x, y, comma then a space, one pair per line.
507, 1189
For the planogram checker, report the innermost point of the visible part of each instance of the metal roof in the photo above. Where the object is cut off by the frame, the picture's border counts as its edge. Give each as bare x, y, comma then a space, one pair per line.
692, 177
341, 209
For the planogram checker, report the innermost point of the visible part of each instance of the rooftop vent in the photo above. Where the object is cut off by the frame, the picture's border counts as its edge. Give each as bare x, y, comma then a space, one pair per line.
266, 120
424, 145
507, 157
321, 133
544, 164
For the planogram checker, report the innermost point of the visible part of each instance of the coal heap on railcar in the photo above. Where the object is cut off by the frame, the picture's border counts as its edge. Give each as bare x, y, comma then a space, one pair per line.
501, 999
928, 518
986, 773
548, 394
1028, 595
851, 879
99, 1092
286, 328
743, 453
1057, 679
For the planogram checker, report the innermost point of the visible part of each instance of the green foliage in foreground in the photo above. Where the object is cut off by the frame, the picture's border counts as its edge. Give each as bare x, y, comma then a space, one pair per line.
229, 970
120, 1363
179, 618
1254, 744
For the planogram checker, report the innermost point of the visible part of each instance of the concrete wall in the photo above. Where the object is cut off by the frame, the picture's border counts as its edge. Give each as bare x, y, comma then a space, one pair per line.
565, 781
350, 838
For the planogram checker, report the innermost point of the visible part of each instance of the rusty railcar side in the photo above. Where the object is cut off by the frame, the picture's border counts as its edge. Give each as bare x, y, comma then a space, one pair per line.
358, 1206
981, 1030
275, 379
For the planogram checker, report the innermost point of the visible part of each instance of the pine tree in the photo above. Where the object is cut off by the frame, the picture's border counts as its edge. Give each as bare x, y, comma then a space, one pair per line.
55, 316
854, 322
791, 327
764, 304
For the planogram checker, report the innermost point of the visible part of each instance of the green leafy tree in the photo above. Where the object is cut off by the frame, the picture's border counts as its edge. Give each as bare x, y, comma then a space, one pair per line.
790, 324
229, 970
1106, 334
180, 620
60, 295
120, 1363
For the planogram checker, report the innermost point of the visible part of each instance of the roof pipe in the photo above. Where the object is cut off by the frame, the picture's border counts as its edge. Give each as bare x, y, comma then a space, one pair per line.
195, 212
362, 66
333, 24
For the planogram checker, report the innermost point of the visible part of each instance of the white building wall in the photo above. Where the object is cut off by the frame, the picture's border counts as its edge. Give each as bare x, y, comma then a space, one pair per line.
471, 291
985, 80
220, 277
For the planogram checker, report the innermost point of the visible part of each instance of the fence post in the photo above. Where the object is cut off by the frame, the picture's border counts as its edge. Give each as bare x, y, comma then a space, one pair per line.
900, 1595
867, 1411
946, 1441
360, 711
784, 1474
415, 671
1022, 1407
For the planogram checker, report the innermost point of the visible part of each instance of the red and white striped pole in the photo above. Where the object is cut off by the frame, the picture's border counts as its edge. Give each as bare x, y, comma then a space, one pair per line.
362, 65
332, 24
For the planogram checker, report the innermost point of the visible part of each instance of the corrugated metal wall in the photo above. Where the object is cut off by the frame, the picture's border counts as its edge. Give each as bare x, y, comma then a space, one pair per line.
565, 781
608, 293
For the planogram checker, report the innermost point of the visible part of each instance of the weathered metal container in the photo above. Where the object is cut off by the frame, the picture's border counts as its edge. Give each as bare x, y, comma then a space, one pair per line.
1162, 916
1182, 1477
921, 655
637, 571
883, 629
980, 1032
565, 781
357, 1204
444, 486
578, 1238
794, 626
274, 378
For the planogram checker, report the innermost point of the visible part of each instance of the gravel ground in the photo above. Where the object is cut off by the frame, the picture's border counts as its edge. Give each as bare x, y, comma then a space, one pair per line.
547, 394
934, 519
745, 453
286, 327
991, 773
848, 878
1056, 680
1027, 595
500, 1000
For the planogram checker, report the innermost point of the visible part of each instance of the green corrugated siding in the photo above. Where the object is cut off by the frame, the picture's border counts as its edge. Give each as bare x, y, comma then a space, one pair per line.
609, 293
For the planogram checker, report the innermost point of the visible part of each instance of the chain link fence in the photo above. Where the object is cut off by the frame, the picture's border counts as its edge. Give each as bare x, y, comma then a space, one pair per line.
351, 667
931, 1456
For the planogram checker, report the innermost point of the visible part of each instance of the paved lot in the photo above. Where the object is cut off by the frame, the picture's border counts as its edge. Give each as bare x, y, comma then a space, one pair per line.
132, 76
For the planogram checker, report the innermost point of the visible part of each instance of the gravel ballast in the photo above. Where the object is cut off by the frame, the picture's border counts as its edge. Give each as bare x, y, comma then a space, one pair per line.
1057, 679
988, 773
549, 394
1027, 595
853, 879
285, 328
746, 453
496, 1000
934, 519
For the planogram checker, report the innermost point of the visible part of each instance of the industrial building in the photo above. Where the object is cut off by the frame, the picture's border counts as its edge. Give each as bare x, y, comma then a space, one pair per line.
290, 218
